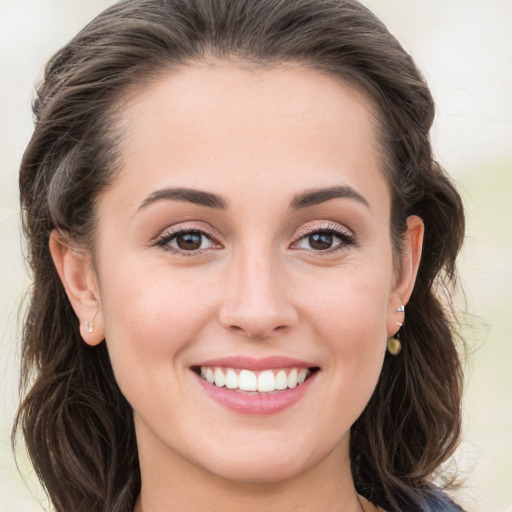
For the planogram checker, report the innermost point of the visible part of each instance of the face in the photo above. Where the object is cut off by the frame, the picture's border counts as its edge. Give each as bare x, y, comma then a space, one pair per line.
246, 243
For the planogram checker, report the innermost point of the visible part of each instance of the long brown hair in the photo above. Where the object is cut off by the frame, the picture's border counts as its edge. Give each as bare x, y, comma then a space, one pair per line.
77, 425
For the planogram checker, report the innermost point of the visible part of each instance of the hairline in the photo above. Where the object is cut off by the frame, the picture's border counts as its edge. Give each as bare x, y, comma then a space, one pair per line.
147, 76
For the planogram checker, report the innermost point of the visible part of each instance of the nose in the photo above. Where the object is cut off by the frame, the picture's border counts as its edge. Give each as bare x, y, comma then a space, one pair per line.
257, 303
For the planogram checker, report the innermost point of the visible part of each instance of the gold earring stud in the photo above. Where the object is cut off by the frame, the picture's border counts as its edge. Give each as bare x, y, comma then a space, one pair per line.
394, 345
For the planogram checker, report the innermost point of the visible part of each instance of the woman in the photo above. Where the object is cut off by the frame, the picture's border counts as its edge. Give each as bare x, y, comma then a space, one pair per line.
239, 238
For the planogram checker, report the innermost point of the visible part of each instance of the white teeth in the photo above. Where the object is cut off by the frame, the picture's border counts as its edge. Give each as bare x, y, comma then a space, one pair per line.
246, 380
266, 381
301, 377
231, 379
281, 380
220, 380
292, 378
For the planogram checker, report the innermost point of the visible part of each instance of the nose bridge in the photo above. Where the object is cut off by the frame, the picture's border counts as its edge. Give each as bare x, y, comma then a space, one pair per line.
257, 302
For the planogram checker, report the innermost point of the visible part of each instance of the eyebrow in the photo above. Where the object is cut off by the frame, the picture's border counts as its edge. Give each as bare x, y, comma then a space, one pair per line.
188, 195
211, 200
321, 195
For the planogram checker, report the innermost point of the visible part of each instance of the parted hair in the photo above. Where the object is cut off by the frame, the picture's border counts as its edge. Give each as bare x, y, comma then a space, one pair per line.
77, 425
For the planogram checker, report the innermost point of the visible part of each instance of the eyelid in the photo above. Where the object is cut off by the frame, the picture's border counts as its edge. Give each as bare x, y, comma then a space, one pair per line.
324, 226
168, 234
347, 236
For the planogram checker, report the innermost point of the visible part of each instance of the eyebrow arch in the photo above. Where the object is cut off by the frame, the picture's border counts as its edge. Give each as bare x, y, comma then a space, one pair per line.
321, 195
188, 195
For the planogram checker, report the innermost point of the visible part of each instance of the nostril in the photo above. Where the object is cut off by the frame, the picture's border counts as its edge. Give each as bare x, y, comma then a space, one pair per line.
258, 333
250, 333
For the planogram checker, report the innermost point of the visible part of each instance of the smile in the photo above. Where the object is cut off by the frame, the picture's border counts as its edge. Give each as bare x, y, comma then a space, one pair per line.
256, 386
264, 381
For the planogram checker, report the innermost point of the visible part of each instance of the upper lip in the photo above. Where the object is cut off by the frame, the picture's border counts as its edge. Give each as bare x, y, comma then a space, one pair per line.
256, 364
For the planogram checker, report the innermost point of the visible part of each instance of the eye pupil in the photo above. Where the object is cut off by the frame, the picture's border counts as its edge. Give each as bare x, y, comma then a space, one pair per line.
320, 241
189, 241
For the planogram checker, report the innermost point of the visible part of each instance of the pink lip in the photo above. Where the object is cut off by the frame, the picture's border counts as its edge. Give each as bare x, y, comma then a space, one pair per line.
250, 363
256, 403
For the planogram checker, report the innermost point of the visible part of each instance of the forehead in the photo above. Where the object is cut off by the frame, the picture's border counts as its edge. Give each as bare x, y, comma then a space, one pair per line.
228, 125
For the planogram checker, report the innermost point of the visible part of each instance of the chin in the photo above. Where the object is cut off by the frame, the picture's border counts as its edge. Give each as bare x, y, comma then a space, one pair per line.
260, 462
267, 470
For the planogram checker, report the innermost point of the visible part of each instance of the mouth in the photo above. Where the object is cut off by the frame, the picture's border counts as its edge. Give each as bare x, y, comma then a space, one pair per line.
245, 380
256, 386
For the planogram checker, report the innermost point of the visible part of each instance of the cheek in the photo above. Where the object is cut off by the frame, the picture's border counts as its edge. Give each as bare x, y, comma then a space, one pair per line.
153, 301
150, 318
349, 321
351, 306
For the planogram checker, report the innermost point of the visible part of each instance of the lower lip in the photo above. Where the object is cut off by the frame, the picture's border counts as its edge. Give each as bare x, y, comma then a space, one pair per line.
257, 403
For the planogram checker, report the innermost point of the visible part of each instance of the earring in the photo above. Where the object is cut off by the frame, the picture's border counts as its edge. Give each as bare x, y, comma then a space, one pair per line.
90, 324
394, 345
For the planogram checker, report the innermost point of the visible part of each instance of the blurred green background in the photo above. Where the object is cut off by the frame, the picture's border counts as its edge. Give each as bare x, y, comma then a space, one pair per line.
464, 48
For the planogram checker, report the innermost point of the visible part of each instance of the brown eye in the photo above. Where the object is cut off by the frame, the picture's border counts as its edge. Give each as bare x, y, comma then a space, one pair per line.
189, 241
325, 240
320, 241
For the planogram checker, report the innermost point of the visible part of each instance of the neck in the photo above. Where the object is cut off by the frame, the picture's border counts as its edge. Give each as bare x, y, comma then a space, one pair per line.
180, 485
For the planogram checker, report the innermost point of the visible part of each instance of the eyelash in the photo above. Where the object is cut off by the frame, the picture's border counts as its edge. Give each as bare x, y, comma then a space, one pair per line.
167, 238
347, 239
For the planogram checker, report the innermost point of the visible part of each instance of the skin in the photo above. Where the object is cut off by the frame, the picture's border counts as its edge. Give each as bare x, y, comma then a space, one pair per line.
258, 138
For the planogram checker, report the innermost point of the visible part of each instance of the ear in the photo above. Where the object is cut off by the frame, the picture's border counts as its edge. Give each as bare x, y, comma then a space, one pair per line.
79, 280
410, 262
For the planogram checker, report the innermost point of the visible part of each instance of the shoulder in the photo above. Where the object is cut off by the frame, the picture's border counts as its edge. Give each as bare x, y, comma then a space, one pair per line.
434, 501
431, 500
438, 501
